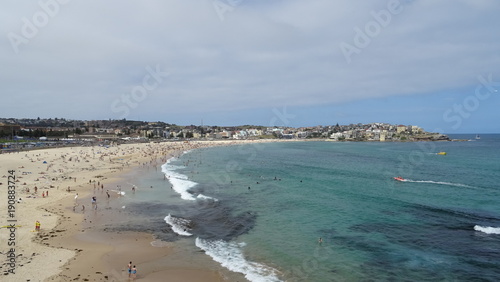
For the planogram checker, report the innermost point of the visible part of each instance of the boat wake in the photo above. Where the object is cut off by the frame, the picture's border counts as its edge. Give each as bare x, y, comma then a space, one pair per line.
438, 182
487, 229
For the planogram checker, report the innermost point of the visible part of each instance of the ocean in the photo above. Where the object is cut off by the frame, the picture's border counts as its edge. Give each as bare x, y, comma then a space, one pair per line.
260, 209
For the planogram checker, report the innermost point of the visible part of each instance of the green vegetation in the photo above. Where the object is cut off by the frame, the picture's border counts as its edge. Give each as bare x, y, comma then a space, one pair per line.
268, 136
13, 141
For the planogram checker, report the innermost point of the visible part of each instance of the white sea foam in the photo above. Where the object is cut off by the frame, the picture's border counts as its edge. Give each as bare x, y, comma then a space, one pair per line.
203, 197
180, 182
182, 187
160, 244
179, 225
230, 255
487, 229
121, 193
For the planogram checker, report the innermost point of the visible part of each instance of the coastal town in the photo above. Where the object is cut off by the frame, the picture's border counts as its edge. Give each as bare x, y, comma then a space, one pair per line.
67, 130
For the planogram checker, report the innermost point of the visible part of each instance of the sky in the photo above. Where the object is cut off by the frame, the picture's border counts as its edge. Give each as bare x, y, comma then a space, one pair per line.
431, 63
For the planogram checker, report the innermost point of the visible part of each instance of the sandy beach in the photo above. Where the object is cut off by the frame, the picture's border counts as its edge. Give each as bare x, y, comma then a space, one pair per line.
54, 187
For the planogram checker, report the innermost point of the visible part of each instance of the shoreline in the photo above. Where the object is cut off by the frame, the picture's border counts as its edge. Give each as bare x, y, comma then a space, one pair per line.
61, 250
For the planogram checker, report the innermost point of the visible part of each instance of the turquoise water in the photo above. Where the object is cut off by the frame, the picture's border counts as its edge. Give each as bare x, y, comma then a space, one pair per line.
260, 209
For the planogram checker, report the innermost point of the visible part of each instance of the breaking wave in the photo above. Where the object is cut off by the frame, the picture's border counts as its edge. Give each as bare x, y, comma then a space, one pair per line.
230, 255
487, 229
179, 225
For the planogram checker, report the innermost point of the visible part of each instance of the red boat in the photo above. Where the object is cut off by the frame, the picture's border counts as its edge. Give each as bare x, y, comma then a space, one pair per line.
399, 178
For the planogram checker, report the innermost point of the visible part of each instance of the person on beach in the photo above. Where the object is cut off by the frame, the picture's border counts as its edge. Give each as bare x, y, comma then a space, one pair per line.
134, 272
129, 266
94, 202
37, 225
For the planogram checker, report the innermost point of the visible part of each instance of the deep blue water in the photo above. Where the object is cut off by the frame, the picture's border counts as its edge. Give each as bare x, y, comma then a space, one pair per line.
260, 209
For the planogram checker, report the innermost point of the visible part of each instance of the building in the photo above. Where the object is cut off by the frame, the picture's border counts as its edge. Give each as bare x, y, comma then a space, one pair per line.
9, 128
400, 128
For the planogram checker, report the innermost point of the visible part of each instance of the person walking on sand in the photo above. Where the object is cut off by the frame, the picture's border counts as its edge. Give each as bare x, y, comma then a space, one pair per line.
129, 266
94, 202
134, 272
37, 225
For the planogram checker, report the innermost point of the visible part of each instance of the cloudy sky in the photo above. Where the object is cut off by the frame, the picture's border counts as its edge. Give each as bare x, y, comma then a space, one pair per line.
432, 63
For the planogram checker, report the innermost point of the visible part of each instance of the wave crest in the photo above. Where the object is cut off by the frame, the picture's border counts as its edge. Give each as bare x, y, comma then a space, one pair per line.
230, 256
179, 225
487, 229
